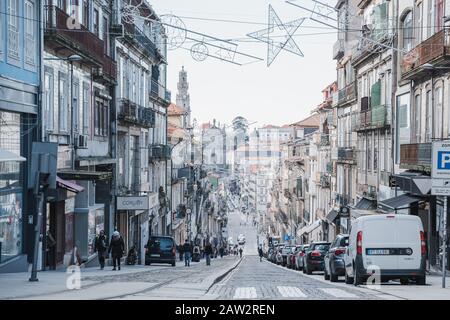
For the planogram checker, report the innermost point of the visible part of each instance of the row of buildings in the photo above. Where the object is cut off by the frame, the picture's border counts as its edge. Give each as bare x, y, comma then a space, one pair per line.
86, 78
371, 148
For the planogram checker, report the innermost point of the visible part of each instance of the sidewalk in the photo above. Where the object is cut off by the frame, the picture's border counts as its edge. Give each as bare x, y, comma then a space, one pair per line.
97, 284
431, 291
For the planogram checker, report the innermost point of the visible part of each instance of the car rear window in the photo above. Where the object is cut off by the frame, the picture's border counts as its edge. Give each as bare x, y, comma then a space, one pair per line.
344, 242
161, 243
321, 247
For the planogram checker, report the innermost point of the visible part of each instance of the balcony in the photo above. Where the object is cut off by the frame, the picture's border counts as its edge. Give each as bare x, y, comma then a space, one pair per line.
435, 50
159, 93
338, 49
66, 42
137, 37
346, 155
416, 156
342, 200
133, 114
325, 181
347, 94
324, 140
159, 152
330, 168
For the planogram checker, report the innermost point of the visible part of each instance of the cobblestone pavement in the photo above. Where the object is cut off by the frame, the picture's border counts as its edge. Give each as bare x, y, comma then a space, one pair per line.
253, 279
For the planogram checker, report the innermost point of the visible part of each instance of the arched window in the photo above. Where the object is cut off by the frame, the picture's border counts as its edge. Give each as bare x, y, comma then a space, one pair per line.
408, 31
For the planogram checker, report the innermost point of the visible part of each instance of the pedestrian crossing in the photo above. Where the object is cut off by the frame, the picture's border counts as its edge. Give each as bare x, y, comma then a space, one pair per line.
295, 292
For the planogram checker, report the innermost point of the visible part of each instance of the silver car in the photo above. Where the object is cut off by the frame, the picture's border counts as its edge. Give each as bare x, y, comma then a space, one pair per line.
299, 261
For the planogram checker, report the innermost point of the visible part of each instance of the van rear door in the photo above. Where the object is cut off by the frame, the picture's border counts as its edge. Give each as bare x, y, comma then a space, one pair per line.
408, 240
378, 238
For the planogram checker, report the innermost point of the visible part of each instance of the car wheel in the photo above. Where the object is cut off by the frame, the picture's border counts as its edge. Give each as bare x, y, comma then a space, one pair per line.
404, 281
333, 277
348, 280
173, 264
421, 281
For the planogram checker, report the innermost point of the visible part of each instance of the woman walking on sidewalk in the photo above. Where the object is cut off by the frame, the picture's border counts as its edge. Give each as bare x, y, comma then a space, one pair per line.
187, 253
117, 248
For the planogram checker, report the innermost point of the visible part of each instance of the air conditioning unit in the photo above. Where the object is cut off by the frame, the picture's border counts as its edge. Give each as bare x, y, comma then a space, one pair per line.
81, 141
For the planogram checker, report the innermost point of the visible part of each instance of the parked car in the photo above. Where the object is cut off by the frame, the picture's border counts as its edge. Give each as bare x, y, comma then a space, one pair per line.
284, 254
313, 259
290, 261
279, 257
394, 243
334, 258
299, 257
160, 249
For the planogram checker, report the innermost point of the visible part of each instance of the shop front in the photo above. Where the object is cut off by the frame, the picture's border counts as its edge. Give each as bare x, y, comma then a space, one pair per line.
11, 200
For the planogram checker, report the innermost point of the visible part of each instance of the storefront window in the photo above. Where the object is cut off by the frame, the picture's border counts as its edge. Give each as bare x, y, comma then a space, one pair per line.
10, 189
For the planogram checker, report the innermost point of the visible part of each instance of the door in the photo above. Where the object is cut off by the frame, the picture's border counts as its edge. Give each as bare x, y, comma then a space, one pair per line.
379, 238
408, 239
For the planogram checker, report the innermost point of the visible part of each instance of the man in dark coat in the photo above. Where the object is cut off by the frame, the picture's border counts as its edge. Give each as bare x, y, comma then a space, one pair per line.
208, 253
187, 248
101, 246
117, 248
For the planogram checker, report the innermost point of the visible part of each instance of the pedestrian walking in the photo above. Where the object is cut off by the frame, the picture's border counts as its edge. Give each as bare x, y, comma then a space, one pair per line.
260, 252
208, 253
240, 252
101, 246
116, 248
187, 253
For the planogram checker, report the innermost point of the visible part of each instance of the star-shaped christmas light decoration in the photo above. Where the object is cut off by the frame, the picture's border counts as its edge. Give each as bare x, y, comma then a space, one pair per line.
278, 36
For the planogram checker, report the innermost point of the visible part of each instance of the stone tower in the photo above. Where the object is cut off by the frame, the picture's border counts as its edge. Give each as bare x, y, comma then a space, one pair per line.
183, 98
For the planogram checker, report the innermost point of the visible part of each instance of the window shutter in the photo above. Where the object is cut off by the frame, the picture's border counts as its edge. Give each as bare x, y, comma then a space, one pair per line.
376, 94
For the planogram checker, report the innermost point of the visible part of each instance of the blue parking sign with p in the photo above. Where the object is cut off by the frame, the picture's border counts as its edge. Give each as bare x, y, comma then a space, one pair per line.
443, 160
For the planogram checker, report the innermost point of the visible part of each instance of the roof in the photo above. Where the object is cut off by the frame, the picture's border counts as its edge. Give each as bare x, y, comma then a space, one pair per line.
311, 121
7, 156
175, 110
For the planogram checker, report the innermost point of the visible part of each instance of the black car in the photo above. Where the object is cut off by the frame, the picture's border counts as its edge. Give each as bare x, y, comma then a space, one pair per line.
160, 249
334, 258
314, 257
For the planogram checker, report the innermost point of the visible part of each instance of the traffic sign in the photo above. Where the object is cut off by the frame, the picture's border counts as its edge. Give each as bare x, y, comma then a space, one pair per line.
440, 168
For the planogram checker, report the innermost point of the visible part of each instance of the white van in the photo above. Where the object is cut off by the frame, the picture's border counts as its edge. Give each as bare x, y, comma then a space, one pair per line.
394, 244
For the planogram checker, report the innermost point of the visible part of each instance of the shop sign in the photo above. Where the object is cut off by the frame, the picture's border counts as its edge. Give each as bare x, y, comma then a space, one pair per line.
69, 206
440, 169
133, 203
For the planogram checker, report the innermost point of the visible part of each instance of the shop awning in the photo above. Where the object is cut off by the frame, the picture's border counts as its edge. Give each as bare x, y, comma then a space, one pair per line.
401, 202
413, 182
84, 175
8, 156
68, 185
309, 228
366, 204
332, 215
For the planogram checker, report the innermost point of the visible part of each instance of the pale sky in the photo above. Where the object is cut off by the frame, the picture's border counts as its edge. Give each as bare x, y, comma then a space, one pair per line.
284, 93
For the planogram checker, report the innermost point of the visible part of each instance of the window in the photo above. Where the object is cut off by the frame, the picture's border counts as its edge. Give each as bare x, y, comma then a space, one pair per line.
439, 115
13, 28
439, 15
101, 118
76, 106
1, 33
48, 102
30, 34
428, 117
105, 35
403, 122
369, 152
408, 31
430, 18
96, 22
86, 109
63, 104
417, 117
86, 13
419, 22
